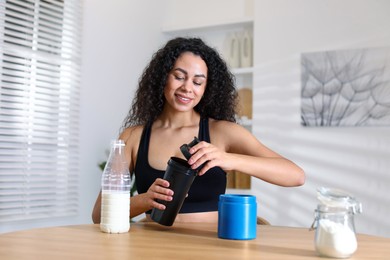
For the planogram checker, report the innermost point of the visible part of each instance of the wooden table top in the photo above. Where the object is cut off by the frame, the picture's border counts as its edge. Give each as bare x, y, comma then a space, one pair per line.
181, 241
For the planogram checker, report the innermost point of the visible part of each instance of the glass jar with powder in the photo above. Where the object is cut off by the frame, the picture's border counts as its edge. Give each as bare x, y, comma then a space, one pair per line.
334, 223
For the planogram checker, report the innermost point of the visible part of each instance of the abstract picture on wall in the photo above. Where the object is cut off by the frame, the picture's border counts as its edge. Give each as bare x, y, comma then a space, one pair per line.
346, 88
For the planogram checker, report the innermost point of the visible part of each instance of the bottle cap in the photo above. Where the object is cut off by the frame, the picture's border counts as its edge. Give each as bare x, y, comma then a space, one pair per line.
185, 150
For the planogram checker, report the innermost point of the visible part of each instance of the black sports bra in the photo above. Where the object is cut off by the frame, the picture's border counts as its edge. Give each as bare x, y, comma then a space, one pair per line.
205, 190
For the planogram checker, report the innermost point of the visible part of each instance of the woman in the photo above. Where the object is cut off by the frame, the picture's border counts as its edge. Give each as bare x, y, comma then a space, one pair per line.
186, 91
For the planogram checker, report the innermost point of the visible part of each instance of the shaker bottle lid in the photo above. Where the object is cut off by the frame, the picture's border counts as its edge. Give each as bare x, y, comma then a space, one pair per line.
185, 148
338, 198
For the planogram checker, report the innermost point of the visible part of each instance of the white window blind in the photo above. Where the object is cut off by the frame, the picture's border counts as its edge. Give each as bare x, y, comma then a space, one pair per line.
39, 102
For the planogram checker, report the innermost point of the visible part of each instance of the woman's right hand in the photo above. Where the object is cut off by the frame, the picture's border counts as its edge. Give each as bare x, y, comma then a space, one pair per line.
159, 190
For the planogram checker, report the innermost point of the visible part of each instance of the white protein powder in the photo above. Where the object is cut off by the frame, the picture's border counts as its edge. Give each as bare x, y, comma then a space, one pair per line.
335, 239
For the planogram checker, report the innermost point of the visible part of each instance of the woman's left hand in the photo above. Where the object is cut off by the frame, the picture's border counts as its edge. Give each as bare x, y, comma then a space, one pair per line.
209, 155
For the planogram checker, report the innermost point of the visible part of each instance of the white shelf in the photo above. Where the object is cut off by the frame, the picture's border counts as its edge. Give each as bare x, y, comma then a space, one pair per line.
245, 21
242, 71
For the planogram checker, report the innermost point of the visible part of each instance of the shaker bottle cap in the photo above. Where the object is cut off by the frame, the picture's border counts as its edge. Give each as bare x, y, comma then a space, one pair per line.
185, 148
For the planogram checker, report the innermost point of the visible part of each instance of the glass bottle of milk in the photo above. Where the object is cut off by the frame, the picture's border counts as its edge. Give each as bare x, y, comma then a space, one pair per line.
116, 182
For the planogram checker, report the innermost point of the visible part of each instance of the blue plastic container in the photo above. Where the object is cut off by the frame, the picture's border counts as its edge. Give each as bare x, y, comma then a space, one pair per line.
237, 216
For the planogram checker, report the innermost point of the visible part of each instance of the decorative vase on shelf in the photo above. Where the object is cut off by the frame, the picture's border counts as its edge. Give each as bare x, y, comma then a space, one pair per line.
246, 49
232, 50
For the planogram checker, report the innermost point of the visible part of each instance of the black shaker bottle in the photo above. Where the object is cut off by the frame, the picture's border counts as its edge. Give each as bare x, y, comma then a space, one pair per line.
180, 177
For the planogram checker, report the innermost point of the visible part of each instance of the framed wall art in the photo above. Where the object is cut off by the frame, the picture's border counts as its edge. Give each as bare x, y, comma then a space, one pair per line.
346, 88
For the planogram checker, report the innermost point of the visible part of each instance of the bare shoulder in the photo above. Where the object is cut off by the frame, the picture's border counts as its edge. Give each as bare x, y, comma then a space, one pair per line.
132, 135
228, 135
226, 127
235, 138
132, 138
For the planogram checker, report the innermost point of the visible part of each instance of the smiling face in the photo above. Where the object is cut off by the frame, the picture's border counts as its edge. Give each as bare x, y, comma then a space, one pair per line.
186, 82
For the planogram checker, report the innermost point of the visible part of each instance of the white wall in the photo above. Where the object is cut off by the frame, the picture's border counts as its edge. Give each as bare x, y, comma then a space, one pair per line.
203, 12
119, 38
354, 159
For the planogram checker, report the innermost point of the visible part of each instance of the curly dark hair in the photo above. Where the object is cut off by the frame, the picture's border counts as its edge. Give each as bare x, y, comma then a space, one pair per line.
219, 100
